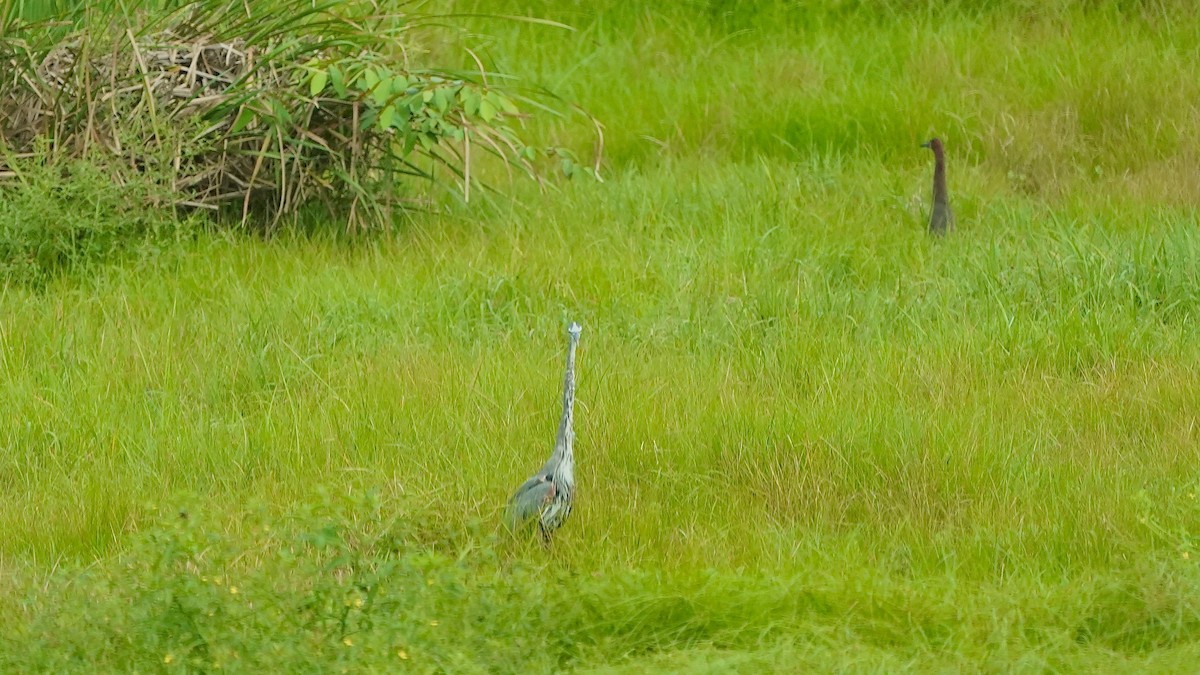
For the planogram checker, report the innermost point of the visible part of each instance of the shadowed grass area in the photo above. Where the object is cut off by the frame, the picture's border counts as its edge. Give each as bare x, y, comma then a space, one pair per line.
808, 435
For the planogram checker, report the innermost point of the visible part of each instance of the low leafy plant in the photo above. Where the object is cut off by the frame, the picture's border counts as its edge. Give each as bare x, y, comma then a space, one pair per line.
338, 583
69, 216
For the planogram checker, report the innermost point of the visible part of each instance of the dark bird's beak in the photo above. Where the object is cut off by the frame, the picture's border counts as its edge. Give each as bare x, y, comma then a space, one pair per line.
926, 144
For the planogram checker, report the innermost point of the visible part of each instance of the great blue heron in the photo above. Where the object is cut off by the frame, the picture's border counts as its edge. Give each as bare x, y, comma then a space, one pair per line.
549, 492
941, 220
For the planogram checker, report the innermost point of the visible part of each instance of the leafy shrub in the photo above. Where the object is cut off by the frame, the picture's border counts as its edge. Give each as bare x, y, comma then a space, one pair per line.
63, 218
256, 107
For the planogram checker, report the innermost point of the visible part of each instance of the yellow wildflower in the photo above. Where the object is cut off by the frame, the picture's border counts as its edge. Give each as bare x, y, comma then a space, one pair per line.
348, 642
168, 659
233, 590
402, 654
433, 623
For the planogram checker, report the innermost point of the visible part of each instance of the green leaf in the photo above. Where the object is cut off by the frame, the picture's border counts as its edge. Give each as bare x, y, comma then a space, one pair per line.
506, 105
487, 111
338, 80
439, 100
470, 101
280, 113
387, 117
368, 80
381, 93
245, 117
317, 84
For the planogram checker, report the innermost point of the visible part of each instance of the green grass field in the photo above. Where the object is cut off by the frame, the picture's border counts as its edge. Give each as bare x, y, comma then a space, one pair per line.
809, 436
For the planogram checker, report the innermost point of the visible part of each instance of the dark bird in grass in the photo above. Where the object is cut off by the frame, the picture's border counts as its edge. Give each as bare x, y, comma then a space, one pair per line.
941, 220
548, 494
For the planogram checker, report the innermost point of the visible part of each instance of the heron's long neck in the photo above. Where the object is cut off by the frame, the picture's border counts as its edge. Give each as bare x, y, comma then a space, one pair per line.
566, 433
940, 194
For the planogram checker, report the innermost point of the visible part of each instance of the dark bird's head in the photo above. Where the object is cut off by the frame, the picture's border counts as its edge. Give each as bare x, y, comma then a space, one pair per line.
934, 144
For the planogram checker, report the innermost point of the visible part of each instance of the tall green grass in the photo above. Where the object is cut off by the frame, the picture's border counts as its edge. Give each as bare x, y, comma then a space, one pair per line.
809, 437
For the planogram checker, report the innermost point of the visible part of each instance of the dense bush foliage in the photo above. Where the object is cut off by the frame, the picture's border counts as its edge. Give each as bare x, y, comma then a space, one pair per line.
262, 108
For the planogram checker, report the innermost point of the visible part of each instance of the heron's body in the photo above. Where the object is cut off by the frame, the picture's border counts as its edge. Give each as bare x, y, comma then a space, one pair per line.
941, 220
549, 493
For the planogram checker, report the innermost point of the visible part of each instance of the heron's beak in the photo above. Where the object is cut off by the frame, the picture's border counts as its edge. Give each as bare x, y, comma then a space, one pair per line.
926, 144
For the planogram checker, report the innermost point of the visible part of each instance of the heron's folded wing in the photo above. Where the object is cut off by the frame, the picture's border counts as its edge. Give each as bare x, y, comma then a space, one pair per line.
529, 499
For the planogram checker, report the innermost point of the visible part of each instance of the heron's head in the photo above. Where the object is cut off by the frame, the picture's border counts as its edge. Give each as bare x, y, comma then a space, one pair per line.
934, 144
574, 330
